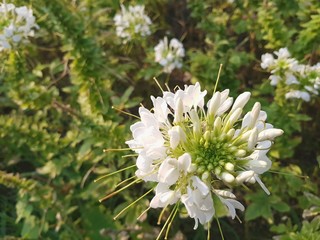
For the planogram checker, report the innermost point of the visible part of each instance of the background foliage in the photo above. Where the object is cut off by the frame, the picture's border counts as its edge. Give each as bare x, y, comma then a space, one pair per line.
56, 95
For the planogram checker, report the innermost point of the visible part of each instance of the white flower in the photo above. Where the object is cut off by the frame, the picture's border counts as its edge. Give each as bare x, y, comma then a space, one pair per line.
298, 94
193, 154
274, 80
169, 55
132, 23
282, 53
18, 24
267, 60
198, 202
299, 81
164, 196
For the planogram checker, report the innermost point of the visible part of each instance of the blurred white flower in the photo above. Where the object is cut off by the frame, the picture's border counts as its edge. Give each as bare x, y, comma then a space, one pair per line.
296, 80
132, 23
194, 154
18, 24
267, 60
169, 55
298, 94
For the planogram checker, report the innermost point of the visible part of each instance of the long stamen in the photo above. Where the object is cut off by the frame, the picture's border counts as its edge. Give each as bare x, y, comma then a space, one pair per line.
131, 204
167, 221
208, 234
110, 174
124, 112
161, 214
143, 213
121, 189
170, 223
220, 230
238, 219
116, 149
130, 155
124, 181
167, 87
289, 174
156, 80
218, 77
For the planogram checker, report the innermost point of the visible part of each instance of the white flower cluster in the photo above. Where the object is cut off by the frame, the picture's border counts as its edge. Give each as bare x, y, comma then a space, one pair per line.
197, 153
169, 55
132, 23
299, 80
17, 23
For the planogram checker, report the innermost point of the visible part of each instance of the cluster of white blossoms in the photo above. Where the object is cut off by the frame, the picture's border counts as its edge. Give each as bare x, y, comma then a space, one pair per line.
132, 23
298, 80
17, 24
196, 153
169, 55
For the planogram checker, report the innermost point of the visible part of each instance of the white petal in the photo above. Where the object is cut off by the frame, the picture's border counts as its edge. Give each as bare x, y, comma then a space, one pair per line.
261, 184
225, 193
252, 141
184, 162
244, 176
241, 101
225, 106
214, 103
197, 183
269, 134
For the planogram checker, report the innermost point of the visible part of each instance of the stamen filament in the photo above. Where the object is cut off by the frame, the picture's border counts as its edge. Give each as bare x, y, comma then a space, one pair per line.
161, 214
130, 155
289, 174
116, 149
167, 221
158, 84
220, 230
116, 192
218, 77
238, 219
124, 181
131, 204
124, 112
170, 223
143, 213
110, 174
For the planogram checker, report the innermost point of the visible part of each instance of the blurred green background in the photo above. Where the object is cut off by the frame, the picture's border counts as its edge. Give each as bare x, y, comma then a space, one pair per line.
56, 94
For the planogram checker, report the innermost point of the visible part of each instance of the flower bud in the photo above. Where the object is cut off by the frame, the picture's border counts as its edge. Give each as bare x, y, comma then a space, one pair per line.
252, 141
227, 177
229, 166
269, 134
178, 114
214, 104
241, 153
225, 193
244, 176
241, 101
234, 116
254, 114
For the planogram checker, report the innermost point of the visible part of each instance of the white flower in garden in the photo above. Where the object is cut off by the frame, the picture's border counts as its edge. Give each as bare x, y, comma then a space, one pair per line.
267, 60
18, 23
132, 23
298, 94
194, 153
296, 80
169, 55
